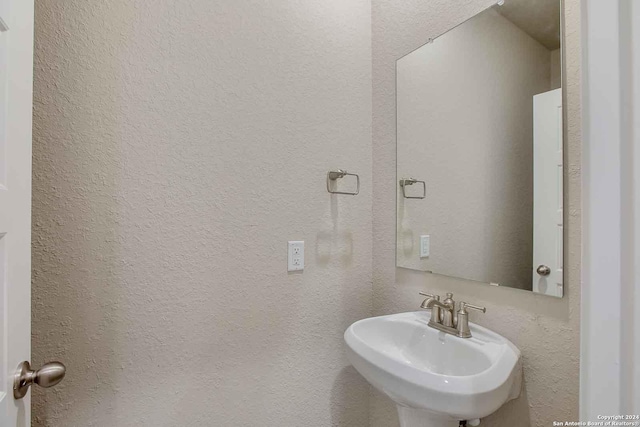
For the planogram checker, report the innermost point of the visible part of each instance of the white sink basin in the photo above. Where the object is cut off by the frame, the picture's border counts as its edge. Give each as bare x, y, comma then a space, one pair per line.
436, 379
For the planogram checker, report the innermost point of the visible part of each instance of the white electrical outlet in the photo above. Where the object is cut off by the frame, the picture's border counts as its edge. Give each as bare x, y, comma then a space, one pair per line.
425, 246
296, 256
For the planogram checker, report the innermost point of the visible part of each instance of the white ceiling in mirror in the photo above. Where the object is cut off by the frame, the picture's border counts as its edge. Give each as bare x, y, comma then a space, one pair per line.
538, 18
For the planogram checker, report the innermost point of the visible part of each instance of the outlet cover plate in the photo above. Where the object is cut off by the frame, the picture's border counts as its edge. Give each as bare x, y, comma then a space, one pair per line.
295, 256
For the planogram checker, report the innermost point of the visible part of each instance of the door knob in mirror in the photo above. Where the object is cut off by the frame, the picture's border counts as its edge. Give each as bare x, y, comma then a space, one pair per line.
543, 270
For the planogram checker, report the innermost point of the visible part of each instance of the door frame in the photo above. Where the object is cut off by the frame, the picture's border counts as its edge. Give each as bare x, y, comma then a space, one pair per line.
610, 331
15, 205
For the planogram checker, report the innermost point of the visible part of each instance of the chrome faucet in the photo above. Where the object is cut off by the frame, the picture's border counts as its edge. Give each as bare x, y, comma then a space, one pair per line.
442, 317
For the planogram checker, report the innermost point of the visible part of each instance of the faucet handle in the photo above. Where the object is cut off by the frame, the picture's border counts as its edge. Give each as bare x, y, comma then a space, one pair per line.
463, 319
449, 299
464, 306
436, 297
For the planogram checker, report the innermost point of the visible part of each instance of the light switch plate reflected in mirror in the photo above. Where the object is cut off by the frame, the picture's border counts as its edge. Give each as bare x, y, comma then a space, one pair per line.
425, 243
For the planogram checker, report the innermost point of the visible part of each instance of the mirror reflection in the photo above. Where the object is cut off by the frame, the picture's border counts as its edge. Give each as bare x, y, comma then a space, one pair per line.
480, 150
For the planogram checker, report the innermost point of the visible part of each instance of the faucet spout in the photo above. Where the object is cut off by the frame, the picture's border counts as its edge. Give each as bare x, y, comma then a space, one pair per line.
440, 311
431, 302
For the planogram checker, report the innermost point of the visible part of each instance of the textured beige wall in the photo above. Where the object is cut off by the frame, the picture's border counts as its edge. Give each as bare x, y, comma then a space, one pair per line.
473, 147
178, 146
545, 329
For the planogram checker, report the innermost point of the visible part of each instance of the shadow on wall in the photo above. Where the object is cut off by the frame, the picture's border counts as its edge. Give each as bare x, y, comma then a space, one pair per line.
75, 249
513, 413
346, 399
404, 235
332, 240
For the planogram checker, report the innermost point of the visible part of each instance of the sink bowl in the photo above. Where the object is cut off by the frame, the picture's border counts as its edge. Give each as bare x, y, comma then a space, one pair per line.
435, 379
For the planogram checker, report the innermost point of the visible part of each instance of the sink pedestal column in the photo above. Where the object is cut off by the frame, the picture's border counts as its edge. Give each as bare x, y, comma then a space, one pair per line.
410, 417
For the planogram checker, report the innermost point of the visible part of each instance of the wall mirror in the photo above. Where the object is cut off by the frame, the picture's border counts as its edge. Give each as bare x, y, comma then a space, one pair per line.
480, 150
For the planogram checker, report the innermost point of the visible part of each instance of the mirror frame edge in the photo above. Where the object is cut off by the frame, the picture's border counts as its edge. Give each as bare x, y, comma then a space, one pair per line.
563, 79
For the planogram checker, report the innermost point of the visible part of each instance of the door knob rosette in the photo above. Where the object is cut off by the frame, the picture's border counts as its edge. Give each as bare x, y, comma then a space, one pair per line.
47, 376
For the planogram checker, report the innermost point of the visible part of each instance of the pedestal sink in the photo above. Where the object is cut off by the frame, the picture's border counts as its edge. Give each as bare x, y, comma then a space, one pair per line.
435, 379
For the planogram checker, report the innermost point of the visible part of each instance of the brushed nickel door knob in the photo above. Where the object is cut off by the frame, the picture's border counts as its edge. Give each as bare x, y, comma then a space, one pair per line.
49, 375
543, 270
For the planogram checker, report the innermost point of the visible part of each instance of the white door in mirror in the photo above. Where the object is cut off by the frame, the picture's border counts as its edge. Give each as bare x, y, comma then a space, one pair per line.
547, 193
